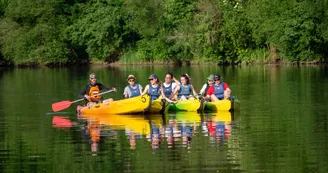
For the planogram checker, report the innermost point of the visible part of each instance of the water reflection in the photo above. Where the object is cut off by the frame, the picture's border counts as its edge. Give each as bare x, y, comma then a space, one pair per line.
217, 127
61, 122
135, 126
160, 131
93, 129
282, 128
180, 128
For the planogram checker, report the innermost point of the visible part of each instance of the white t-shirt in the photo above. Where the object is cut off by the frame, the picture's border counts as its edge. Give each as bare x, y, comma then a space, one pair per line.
173, 85
127, 92
202, 91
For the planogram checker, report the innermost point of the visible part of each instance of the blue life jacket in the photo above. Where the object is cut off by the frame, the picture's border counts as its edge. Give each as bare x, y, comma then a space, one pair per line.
219, 130
134, 92
153, 92
167, 90
186, 131
219, 91
155, 131
184, 91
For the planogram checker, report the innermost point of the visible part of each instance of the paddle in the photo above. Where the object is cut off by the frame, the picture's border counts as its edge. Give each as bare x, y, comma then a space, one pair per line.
65, 104
170, 101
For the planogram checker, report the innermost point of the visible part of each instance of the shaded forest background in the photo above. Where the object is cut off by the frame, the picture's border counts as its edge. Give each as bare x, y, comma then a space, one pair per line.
49, 32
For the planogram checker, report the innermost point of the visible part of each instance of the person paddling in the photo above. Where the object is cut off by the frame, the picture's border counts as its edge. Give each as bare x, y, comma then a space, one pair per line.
154, 88
219, 91
133, 89
206, 86
92, 90
185, 88
169, 85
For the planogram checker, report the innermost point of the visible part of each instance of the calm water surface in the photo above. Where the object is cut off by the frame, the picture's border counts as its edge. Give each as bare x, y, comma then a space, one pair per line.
282, 124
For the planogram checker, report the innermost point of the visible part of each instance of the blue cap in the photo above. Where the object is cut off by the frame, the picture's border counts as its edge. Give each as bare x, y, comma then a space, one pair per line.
217, 76
153, 76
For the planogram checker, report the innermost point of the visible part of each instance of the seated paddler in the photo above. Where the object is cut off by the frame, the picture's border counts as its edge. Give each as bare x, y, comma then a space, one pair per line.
207, 85
153, 88
133, 89
169, 86
185, 90
91, 92
219, 91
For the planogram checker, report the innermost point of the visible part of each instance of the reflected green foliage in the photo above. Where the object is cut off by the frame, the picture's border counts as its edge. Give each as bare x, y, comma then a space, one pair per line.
221, 31
281, 126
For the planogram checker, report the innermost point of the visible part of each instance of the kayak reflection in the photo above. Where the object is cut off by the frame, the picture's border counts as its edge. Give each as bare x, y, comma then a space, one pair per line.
137, 123
180, 128
170, 130
135, 126
217, 126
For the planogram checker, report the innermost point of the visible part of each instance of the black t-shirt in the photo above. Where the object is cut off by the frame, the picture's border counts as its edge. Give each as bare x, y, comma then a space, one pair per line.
86, 89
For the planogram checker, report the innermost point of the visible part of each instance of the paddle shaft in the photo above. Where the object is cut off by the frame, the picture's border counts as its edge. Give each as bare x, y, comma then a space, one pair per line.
77, 100
93, 96
65, 104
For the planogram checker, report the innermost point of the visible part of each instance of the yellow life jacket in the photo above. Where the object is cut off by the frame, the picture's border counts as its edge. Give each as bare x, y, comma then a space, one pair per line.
94, 93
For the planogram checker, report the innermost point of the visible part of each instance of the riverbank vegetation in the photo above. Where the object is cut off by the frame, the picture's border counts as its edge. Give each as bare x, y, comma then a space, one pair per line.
180, 31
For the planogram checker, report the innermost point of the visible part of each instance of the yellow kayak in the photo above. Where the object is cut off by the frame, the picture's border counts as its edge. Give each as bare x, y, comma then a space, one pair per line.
221, 105
126, 106
155, 107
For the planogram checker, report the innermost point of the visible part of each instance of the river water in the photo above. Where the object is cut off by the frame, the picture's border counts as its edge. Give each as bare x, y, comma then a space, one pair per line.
281, 125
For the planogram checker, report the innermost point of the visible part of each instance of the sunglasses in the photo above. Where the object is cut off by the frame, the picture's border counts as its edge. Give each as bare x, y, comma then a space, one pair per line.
151, 79
93, 79
131, 80
217, 80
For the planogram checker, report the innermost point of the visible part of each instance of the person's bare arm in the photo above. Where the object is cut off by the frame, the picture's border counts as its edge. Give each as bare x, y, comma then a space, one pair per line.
193, 91
140, 89
176, 81
177, 88
145, 90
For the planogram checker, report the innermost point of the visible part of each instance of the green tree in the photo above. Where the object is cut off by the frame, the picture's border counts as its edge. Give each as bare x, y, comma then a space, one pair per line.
31, 32
100, 26
290, 26
160, 25
221, 31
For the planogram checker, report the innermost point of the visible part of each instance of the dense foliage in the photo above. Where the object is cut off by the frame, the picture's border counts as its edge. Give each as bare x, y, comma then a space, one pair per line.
221, 31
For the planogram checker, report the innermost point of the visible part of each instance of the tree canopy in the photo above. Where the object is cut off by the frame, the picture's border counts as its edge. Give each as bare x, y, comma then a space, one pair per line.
220, 31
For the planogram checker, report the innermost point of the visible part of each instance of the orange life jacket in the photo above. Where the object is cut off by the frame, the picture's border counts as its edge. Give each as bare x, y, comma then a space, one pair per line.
95, 132
94, 93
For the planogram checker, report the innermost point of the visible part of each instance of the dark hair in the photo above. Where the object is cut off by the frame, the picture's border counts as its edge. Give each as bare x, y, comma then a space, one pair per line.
159, 82
186, 77
169, 73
